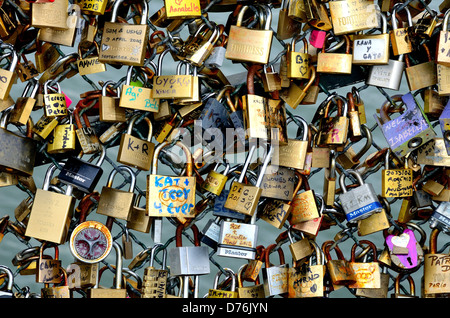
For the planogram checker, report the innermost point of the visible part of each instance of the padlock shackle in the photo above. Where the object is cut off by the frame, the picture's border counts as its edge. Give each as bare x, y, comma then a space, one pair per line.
367, 145
119, 264
266, 162
144, 11
124, 169
355, 173
372, 246
147, 120
433, 240
446, 20
9, 273
251, 73
43, 246
412, 286
268, 20
15, 56
394, 16
320, 258
153, 252
189, 162
241, 272
179, 231
304, 124
46, 87
267, 252
230, 274
105, 87
385, 108
423, 235
326, 246
297, 39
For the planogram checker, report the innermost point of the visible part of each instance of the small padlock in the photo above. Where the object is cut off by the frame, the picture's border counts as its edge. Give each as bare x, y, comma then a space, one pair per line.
55, 103
299, 249
253, 291
155, 280
421, 75
49, 270
86, 134
108, 108
297, 62
340, 270
396, 182
215, 292
275, 277
63, 138
24, 104
335, 63
89, 64
412, 289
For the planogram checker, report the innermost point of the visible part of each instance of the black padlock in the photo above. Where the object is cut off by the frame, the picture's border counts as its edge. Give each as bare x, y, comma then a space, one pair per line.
82, 174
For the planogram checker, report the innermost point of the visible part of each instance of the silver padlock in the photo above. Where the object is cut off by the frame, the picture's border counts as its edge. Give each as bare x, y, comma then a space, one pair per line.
275, 277
387, 76
8, 293
211, 232
188, 260
440, 218
360, 202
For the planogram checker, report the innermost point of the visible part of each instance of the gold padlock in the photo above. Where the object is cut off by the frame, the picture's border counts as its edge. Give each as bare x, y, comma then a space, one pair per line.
335, 63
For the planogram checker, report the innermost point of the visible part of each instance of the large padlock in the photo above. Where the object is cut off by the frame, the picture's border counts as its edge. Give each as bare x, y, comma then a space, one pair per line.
335, 63
250, 45
136, 152
114, 202
86, 134
89, 64
253, 291
50, 15
408, 131
360, 202
369, 49
171, 86
293, 154
117, 291
51, 212
367, 274
24, 105
81, 174
334, 130
124, 43
198, 53
244, 198
188, 260
307, 280
443, 50
396, 182
421, 75
136, 97
387, 76
170, 196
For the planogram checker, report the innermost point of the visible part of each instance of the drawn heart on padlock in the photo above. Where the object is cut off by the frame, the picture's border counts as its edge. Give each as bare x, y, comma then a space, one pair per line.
406, 240
178, 2
303, 70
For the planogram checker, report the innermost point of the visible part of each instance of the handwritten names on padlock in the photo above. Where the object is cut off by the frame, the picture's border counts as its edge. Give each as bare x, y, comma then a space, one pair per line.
170, 86
55, 105
138, 98
171, 196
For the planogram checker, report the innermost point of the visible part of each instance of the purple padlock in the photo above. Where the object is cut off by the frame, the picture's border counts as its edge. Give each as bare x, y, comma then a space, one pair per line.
404, 250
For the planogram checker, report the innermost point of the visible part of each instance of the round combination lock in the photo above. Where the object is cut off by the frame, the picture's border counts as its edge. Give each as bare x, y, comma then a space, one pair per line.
91, 242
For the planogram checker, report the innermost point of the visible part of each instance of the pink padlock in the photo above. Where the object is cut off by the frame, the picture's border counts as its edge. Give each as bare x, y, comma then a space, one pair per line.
317, 38
68, 100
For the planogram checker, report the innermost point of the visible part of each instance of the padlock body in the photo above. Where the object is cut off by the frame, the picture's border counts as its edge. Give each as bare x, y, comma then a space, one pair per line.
135, 152
360, 202
371, 49
123, 43
50, 216
80, 174
138, 98
189, 260
237, 240
386, 76
275, 280
154, 285
115, 203
110, 111
17, 153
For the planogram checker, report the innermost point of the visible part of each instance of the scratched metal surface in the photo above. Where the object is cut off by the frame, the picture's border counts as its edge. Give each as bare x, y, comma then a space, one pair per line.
11, 196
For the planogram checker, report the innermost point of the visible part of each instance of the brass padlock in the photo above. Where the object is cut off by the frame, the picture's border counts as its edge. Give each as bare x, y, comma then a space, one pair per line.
49, 270
250, 45
136, 152
24, 105
136, 97
169, 196
50, 15
63, 138
114, 202
55, 103
352, 16
51, 212
108, 108
86, 134
401, 43
297, 62
442, 50
89, 64
335, 63
421, 75
124, 43
396, 182
334, 130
